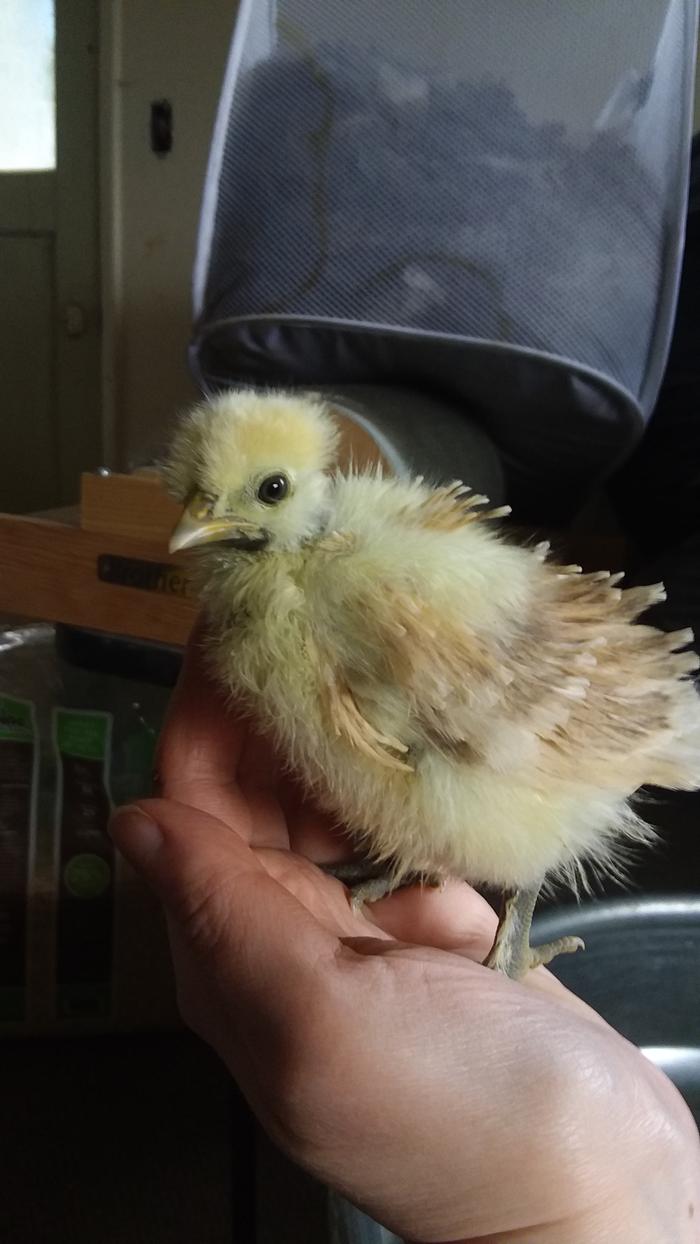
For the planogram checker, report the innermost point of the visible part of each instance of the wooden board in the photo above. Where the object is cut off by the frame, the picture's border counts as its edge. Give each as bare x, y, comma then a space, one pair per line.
357, 446
62, 574
136, 506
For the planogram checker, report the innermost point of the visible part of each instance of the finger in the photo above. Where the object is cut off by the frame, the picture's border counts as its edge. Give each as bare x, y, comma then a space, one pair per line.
322, 895
312, 832
201, 741
453, 917
246, 928
258, 779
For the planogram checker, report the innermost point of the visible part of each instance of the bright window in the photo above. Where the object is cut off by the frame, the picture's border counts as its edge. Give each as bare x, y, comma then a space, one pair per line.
27, 85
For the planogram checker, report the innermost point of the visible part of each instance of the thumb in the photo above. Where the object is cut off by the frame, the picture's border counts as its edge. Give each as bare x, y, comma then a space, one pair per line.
219, 897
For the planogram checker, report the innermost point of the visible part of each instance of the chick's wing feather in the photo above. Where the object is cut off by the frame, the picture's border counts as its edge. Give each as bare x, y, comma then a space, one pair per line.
394, 617
434, 626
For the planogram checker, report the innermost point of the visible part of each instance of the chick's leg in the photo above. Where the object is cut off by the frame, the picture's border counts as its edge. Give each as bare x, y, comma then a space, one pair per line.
511, 952
369, 882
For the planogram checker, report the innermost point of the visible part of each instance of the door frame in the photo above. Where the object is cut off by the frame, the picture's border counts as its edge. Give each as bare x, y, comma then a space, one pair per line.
78, 317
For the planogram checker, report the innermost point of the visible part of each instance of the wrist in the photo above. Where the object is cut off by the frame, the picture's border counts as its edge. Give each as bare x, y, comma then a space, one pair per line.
656, 1198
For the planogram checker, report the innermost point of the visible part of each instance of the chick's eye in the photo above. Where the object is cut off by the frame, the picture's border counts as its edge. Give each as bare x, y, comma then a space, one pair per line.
273, 489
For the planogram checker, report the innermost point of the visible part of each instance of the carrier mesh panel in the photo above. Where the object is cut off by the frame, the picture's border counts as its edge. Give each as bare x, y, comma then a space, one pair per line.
506, 174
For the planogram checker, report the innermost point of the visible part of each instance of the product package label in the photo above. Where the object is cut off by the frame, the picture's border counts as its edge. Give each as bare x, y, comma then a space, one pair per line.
18, 797
85, 907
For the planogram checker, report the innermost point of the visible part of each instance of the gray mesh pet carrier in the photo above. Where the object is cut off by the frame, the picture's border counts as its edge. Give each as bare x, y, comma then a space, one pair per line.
480, 200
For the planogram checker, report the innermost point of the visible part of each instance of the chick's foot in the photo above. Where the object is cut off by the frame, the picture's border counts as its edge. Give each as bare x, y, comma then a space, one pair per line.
511, 952
369, 882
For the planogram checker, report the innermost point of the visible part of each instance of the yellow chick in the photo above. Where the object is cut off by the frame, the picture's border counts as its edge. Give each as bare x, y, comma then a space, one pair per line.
467, 708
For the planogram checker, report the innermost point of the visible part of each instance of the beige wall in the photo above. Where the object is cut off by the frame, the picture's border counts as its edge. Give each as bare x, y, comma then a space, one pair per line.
153, 49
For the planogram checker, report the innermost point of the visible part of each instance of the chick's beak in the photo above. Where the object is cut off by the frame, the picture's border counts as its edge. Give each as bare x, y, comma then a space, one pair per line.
198, 527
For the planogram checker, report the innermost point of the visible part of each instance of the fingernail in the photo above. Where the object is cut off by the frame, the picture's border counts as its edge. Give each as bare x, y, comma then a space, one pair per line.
136, 834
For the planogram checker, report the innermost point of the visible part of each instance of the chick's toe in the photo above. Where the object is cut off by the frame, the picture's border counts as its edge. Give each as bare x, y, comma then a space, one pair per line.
511, 952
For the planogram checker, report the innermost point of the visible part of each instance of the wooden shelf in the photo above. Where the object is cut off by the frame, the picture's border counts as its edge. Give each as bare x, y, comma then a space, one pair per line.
135, 506
110, 571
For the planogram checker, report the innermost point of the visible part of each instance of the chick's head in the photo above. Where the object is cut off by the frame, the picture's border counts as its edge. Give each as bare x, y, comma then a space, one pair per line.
251, 470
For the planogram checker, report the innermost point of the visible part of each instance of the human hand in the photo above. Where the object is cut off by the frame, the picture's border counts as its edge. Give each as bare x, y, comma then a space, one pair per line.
448, 1102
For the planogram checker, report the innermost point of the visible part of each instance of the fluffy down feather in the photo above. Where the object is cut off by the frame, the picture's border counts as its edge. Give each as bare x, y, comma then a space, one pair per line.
463, 705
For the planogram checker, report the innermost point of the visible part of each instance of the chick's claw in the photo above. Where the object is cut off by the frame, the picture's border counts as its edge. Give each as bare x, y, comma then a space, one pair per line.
371, 891
540, 955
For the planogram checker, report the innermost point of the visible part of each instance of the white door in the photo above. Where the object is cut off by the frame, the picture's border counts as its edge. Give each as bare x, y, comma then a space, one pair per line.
50, 427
